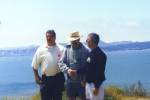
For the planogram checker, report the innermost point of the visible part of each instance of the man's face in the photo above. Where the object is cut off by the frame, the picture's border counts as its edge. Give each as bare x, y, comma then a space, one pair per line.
75, 43
50, 38
89, 42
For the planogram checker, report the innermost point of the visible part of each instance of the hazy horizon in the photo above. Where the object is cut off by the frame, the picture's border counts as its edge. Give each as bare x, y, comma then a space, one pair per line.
66, 43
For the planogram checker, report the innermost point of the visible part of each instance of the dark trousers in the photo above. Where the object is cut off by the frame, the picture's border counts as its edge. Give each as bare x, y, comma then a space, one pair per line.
75, 90
52, 87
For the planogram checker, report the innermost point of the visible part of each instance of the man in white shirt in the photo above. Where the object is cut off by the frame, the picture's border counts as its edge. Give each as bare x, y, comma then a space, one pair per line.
46, 58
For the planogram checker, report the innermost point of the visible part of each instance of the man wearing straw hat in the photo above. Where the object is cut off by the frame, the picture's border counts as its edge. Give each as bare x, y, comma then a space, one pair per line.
74, 58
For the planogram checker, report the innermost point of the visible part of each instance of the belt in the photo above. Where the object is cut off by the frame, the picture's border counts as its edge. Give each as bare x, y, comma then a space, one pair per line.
53, 75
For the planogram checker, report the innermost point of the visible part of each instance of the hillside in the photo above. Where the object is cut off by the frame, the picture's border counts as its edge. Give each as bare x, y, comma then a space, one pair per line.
114, 46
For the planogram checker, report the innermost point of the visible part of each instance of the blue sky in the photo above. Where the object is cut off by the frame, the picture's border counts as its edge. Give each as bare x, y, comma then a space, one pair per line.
24, 22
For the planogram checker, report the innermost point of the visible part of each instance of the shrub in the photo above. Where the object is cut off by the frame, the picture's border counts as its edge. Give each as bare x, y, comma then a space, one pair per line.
36, 96
113, 93
136, 89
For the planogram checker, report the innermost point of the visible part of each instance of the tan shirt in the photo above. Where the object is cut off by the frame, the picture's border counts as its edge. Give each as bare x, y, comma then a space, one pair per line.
47, 57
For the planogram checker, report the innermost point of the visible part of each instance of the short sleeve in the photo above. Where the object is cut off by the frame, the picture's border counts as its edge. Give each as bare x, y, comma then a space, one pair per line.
36, 60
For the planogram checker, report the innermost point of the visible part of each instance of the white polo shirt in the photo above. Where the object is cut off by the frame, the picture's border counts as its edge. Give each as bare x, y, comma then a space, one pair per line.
47, 57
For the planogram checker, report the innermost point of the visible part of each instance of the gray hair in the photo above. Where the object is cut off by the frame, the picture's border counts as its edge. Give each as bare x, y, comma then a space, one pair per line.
94, 37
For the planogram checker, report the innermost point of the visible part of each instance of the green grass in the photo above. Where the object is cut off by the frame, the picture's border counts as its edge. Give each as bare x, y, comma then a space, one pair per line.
132, 92
17, 98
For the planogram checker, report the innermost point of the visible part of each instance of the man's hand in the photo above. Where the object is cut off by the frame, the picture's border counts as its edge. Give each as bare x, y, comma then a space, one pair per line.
83, 83
38, 80
72, 72
37, 77
96, 91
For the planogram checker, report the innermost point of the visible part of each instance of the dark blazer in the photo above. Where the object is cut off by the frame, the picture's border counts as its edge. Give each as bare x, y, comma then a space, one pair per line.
95, 67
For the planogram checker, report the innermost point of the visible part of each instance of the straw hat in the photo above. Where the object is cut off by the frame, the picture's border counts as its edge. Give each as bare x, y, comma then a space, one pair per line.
74, 36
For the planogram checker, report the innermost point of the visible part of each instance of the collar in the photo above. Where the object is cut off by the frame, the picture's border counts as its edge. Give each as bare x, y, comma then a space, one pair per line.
50, 47
95, 49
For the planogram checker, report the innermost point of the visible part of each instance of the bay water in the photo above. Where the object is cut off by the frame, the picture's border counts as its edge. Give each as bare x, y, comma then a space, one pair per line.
123, 68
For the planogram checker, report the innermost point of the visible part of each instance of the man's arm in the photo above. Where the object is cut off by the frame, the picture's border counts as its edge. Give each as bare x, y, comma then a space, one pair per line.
35, 65
63, 62
63, 65
37, 77
100, 70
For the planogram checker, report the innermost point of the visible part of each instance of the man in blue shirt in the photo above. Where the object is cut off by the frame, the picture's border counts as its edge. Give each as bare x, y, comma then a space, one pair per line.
74, 58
